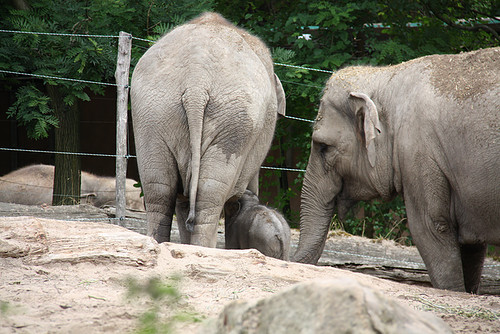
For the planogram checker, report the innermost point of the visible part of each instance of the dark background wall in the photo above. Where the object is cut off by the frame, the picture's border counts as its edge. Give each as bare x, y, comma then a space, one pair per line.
98, 135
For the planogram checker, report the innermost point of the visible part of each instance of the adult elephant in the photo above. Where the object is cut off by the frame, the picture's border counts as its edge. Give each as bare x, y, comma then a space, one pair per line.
204, 105
428, 129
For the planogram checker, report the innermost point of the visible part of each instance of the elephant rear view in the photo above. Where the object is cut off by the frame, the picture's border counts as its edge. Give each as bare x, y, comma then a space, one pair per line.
204, 105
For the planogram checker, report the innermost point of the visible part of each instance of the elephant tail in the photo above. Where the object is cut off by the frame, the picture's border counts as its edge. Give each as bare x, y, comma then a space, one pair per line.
194, 103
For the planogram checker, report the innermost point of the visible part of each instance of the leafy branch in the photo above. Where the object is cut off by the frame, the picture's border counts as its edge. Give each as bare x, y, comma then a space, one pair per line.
432, 8
32, 109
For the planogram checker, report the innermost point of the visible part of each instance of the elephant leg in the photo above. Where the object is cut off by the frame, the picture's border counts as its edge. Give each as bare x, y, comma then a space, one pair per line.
160, 205
472, 263
182, 212
437, 243
159, 180
427, 197
207, 220
215, 187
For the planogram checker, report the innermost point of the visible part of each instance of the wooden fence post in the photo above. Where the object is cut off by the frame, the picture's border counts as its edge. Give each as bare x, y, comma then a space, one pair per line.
122, 81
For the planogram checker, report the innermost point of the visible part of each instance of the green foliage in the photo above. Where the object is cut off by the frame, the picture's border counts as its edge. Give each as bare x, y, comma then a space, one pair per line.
163, 295
139, 185
155, 289
4, 307
32, 110
493, 252
392, 52
377, 219
59, 56
445, 26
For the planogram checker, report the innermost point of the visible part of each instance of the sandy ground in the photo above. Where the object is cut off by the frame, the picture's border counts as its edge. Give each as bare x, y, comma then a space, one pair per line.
42, 291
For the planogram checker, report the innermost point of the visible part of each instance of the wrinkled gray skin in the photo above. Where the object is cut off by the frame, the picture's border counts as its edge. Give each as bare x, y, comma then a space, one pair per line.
250, 224
427, 129
204, 105
32, 185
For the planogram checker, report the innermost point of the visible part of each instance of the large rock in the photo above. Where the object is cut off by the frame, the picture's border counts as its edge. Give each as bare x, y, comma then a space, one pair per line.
321, 307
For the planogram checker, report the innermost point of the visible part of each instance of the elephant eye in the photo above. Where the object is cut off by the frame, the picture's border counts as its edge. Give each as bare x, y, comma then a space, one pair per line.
323, 151
328, 154
323, 148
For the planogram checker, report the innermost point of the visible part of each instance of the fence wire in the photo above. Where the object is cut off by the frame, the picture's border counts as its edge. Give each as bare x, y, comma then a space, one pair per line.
117, 156
57, 34
139, 39
304, 68
143, 39
67, 153
284, 169
61, 78
299, 119
84, 191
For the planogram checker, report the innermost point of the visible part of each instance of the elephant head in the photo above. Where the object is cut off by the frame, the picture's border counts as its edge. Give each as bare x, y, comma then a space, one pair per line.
349, 161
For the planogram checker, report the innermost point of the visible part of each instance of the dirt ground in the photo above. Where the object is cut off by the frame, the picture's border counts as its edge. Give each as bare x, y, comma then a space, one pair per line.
74, 277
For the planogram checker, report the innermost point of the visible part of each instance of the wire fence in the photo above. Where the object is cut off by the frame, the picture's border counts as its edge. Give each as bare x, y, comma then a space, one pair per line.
42, 76
27, 186
59, 78
57, 34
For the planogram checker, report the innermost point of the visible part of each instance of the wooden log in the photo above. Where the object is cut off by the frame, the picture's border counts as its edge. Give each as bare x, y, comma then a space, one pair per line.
41, 241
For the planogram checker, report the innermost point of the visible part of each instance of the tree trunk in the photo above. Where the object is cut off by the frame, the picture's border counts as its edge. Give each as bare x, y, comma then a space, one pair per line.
67, 176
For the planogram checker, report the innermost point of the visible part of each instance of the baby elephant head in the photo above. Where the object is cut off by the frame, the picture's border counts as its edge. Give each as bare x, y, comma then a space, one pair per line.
250, 224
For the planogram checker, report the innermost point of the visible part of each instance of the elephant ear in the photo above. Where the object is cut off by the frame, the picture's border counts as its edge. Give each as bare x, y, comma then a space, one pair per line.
280, 96
371, 124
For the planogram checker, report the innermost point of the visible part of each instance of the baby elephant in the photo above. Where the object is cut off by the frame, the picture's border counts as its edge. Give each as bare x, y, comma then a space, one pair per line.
250, 224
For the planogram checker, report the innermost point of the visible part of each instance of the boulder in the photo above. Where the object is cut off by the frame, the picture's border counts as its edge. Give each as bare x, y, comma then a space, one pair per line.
321, 307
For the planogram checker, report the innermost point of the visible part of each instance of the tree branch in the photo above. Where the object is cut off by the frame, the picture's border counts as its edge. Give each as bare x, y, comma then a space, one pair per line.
449, 22
491, 16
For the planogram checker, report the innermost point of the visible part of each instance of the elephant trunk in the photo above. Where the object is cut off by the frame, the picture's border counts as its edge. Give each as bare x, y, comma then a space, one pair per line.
317, 205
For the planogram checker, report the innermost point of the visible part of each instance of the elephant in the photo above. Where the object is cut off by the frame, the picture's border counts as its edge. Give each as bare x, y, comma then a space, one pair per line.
32, 185
205, 101
428, 129
249, 224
